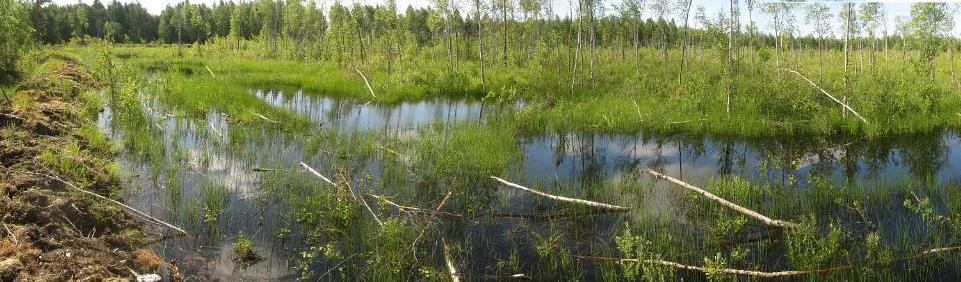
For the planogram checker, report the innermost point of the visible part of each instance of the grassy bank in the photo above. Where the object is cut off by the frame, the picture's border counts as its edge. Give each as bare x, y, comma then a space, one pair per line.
49, 149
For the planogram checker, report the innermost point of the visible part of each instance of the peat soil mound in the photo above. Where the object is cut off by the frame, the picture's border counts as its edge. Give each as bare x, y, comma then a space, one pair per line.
50, 231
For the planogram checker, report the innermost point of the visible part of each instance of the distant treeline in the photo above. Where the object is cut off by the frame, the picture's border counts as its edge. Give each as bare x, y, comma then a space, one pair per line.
297, 20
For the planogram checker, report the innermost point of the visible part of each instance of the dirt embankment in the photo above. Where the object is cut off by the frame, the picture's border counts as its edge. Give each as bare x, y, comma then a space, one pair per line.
50, 232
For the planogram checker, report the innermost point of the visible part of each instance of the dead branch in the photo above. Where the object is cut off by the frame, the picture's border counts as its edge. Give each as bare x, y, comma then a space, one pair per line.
722, 201
409, 209
687, 121
366, 82
315, 173
430, 220
845, 105
155, 220
450, 263
765, 274
13, 236
264, 117
210, 72
562, 199
762, 274
257, 169
216, 131
362, 201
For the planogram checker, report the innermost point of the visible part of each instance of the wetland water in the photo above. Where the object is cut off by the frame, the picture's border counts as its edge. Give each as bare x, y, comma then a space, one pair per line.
209, 186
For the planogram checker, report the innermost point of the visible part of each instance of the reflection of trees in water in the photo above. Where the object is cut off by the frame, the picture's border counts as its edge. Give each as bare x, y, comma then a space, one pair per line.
784, 160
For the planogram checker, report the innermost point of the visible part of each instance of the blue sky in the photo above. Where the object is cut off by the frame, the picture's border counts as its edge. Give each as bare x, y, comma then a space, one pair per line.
712, 7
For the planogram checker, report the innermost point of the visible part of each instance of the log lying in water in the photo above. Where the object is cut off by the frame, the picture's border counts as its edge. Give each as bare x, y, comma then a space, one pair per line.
775, 274
315, 173
845, 105
562, 199
116, 202
729, 271
450, 263
722, 201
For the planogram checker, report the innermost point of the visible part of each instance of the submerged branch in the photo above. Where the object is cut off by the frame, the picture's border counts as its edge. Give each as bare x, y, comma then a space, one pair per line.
264, 117
722, 201
409, 209
562, 199
315, 173
765, 274
450, 263
845, 105
115, 202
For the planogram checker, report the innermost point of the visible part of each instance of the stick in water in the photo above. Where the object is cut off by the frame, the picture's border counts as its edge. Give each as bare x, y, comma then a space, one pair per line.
450, 263
722, 201
314, 172
562, 199
117, 203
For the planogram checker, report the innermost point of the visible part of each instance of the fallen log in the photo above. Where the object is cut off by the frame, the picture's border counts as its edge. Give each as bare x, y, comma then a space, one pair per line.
745, 211
730, 271
843, 104
155, 220
315, 173
264, 117
562, 199
766, 274
366, 82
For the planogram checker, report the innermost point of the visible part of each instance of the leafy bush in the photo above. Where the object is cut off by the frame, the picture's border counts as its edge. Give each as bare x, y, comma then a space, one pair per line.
15, 35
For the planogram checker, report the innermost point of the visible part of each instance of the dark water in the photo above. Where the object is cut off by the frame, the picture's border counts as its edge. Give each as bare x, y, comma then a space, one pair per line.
512, 224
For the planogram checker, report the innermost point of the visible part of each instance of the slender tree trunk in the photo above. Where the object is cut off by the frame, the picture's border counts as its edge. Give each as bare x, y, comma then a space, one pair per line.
684, 43
480, 45
577, 50
593, 42
730, 60
504, 17
847, 37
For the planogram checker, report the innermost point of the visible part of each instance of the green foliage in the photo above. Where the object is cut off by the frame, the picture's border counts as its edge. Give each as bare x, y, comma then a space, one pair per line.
807, 250
15, 35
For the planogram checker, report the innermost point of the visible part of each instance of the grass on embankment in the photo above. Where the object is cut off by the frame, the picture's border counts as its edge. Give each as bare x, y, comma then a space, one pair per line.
626, 96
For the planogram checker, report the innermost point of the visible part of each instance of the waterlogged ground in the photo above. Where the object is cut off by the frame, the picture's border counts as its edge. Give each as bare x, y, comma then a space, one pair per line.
222, 182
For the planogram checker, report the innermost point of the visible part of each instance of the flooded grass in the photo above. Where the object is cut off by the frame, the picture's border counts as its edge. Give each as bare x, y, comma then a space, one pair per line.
409, 178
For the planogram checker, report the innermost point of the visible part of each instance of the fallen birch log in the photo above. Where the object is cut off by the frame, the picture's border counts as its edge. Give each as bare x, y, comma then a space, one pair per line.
315, 173
845, 105
730, 271
775, 274
265, 118
116, 202
562, 199
722, 201
366, 82
450, 263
